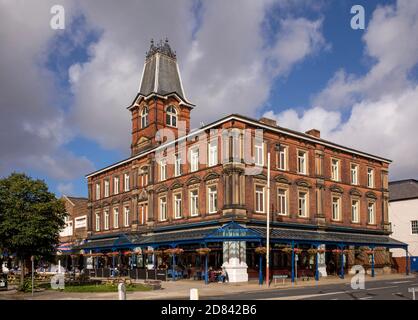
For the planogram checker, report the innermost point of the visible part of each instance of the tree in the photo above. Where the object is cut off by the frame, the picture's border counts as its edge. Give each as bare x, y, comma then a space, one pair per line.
31, 218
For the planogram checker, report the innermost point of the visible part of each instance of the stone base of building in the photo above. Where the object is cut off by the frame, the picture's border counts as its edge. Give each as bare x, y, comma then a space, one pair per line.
237, 272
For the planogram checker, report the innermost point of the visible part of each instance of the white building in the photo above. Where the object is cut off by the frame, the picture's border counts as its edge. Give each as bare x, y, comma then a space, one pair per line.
403, 215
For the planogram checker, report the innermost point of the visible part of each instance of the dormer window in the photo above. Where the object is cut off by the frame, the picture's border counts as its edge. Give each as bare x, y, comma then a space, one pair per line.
171, 116
144, 117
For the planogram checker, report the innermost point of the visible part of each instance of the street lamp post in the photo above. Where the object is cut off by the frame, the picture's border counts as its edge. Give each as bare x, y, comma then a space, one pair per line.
268, 222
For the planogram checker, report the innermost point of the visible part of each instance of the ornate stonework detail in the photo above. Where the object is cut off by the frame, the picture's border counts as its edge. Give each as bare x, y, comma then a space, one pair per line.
303, 183
335, 188
370, 194
160, 47
355, 192
281, 178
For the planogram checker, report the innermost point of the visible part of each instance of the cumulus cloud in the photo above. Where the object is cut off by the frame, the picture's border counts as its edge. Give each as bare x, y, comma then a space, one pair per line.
383, 110
223, 58
33, 127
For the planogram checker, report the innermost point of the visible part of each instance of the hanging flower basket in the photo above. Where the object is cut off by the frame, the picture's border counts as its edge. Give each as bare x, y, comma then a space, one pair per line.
174, 251
347, 251
150, 252
297, 250
159, 253
261, 250
312, 251
336, 251
369, 251
203, 251
321, 250
97, 254
127, 253
114, 253
287, 250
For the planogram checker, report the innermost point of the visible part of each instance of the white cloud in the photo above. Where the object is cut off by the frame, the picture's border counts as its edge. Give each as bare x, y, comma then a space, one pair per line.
391, 41
33, 125
384, 120
65, 188
224, 64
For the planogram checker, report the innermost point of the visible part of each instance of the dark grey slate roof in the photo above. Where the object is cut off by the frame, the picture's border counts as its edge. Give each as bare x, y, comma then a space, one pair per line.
161, 73
182, 235
403, 190
328, 237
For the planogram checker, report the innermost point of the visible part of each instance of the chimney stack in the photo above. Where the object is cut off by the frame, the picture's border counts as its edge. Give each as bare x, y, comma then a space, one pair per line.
268, 121
314, 132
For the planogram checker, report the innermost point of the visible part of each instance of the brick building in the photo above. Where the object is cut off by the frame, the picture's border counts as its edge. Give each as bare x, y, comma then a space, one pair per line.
207, 187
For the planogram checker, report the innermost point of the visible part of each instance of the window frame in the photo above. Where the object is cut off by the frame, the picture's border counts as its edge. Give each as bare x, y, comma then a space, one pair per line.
98, 191
178, 205
372, 184
337, 178
97, 221
196, 197
106, 219
305, 161
116, 185
171, 114
116, 215
306, 204
338, 203
414, 233
257, 201
144, 117
373, 203
358, 210
126, 182
285, 158
163, 169
177, 165
356, 182
215, 197
161, 207
286, 201
106, 188
259, 147
126, 215
213, 149
194, 159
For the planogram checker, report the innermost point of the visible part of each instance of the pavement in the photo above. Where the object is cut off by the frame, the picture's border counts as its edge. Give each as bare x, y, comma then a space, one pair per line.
393, 286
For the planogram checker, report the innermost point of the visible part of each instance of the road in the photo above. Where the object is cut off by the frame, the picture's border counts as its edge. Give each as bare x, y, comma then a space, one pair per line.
374, 290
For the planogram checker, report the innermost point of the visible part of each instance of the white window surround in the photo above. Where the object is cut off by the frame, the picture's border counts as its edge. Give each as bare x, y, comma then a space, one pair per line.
354, 173
282, 206
97, 222
302, 204
370, 177
336, 208
282, 158
97, 190
116, 185
106, 188
302, 160
177, 165
194, 159
212, 199
414, 227
126, 181
163, 169
259, 153
106, 219
144, 117
116, 218
177, 206
259, 199
355, 210
171, 116
126, 213
163, 208
371, 212
194, 203
143, 208
335, 169
213, 153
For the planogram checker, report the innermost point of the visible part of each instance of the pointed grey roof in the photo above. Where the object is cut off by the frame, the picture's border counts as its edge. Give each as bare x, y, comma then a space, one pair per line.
161, 73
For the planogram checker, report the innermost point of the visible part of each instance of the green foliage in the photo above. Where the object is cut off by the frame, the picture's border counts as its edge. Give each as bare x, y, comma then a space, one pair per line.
30, 217
106, 288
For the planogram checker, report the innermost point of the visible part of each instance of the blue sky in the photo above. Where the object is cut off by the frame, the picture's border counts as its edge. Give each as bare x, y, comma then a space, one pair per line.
104, 45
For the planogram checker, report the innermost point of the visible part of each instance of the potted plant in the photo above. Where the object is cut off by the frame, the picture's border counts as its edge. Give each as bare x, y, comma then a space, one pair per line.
321, 250
336, 251
297, 250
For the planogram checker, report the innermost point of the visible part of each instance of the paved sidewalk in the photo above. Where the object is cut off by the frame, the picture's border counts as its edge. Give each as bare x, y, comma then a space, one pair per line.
181, 289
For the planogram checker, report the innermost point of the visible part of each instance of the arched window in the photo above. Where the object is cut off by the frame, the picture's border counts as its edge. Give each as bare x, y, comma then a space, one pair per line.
144, 117
171, 116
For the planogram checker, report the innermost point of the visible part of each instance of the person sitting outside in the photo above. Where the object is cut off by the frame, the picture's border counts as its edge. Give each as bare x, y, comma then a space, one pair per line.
223, 276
